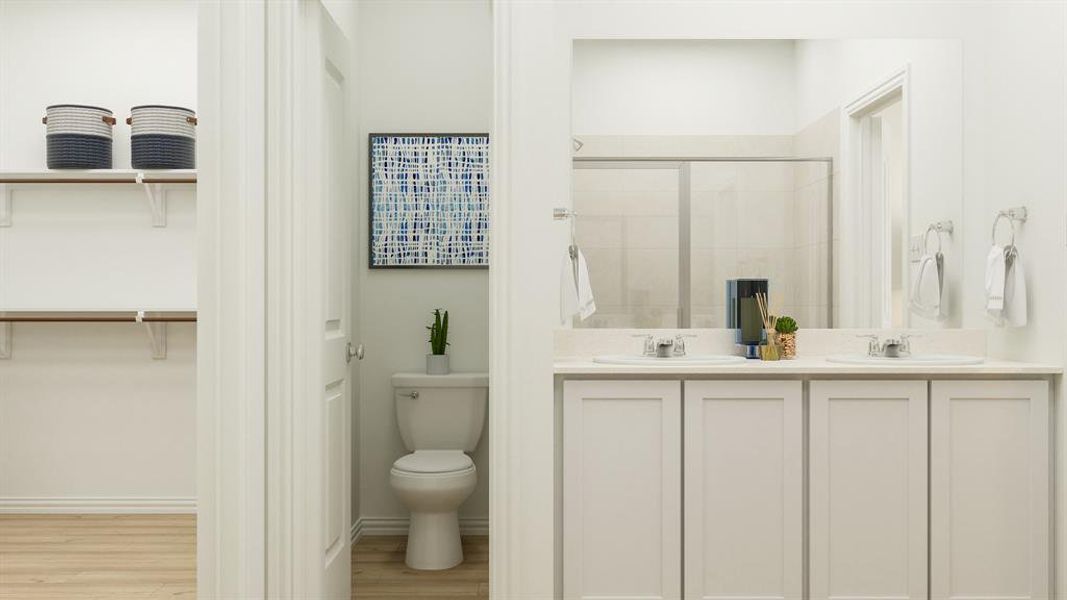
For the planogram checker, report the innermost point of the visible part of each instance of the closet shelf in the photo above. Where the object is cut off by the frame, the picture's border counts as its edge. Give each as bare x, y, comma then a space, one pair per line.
155, 323
95, 316
61, 176
154, 182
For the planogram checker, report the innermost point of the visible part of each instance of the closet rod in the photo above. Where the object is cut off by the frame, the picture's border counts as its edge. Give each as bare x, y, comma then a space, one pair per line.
97, 317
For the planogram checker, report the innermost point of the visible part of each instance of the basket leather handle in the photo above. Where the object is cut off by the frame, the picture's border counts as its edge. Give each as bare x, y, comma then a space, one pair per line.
129, 120
192, 120
106, 119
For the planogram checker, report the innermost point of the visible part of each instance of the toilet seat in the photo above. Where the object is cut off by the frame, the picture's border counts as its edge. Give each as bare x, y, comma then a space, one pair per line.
434, 462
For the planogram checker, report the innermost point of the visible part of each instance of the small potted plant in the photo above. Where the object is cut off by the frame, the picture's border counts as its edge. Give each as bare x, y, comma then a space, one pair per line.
437, 360
787, 336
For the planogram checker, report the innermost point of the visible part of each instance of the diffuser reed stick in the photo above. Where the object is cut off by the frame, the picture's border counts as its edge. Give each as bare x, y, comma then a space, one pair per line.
768, 351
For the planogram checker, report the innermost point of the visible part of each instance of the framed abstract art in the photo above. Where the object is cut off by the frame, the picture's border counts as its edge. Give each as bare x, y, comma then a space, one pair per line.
429, 200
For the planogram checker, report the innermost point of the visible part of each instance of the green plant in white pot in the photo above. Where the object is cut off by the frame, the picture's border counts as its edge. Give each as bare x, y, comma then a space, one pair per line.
437, 360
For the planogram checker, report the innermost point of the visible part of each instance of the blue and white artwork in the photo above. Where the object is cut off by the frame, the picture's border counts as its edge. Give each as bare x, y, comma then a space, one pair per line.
429, 200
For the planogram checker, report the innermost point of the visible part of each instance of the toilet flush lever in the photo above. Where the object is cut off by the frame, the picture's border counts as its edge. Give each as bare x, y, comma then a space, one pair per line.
414, 394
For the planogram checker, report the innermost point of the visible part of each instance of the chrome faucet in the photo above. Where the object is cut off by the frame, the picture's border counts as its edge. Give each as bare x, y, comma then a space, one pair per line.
664, 347
874, 346
898, 347
679, 343
649, 344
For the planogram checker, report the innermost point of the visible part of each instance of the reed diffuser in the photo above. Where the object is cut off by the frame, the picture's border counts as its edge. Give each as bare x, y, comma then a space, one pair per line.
768, 351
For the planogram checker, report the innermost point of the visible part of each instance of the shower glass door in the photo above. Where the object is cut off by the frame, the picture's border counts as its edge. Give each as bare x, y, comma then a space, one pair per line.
628, 228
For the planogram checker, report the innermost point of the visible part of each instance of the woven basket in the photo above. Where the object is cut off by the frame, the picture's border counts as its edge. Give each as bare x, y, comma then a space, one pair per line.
78, 136
162, 137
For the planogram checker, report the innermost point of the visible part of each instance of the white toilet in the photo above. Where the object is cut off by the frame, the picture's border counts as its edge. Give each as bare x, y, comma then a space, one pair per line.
440, 419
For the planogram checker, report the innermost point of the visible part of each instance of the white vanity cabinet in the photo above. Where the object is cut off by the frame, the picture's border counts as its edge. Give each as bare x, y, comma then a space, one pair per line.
622, 478
990, 524
915, 489
867, 482
744, 489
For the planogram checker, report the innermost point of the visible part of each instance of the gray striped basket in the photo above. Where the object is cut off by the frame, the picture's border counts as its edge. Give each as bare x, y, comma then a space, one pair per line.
78, 136
162, 137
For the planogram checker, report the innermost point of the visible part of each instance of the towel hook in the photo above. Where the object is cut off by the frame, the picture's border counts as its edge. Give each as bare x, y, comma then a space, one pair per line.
1012, 215
996, 221
565, 214
926, 238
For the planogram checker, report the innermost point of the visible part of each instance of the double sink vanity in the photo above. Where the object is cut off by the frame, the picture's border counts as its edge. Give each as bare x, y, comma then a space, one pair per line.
709, 476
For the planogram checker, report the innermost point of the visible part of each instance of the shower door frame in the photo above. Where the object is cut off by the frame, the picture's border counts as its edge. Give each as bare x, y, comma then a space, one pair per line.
685, 251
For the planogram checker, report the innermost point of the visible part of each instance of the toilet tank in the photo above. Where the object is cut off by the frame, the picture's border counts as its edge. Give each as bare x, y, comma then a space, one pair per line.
441, 412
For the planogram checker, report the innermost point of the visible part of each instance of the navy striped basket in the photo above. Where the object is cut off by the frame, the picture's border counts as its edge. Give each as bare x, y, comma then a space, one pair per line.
79, 136
162, 137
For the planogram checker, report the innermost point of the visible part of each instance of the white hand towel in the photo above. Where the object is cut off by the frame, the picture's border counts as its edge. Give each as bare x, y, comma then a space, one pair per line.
1015, 296
942, 289
995, 275
586, 305
926, 290
576, 295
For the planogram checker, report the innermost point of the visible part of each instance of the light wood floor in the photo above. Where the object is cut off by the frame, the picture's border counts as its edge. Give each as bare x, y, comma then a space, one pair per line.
151, 557
78, 557
379, 572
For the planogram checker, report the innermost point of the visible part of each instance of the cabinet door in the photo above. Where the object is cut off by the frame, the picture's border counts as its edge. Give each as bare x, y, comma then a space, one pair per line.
622, 488
744, 504
989, 484
868, 483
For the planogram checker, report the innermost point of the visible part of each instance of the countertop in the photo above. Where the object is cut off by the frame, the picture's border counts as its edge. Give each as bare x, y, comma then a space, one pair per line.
805, 366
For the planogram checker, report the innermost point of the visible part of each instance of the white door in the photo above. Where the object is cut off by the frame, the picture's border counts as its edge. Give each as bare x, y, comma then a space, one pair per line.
744, 489
331, 232
868, 528
989, 490
622, 488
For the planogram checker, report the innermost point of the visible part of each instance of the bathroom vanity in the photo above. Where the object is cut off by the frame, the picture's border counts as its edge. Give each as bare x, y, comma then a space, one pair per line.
805, 478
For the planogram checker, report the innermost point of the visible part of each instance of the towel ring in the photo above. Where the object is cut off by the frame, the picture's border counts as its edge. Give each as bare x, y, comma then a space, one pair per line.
1011, 222
926, 239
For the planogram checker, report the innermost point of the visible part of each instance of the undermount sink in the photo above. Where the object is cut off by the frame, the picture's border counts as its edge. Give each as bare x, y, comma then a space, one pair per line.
672, 361
934, 360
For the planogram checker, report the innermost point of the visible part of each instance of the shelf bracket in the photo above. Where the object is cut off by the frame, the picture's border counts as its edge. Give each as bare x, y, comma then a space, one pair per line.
157, 200
157, 336
6, 336
6, 205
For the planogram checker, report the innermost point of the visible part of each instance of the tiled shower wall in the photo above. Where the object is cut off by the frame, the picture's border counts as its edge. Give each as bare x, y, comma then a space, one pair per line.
749, 219
813, 237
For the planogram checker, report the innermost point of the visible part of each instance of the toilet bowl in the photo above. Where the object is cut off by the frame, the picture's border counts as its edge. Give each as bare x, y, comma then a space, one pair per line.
440, 418
432, 484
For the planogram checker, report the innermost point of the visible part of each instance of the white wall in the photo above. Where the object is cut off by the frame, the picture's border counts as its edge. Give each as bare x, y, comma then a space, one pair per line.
89, 420
1013, 128
424, 67
85, 413
697, 87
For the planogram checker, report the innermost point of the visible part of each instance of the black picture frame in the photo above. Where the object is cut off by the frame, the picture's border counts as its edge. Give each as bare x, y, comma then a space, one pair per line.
371, 199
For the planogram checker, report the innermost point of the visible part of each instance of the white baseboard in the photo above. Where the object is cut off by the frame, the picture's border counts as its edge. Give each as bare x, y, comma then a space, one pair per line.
374, 526
357, 531
116, 506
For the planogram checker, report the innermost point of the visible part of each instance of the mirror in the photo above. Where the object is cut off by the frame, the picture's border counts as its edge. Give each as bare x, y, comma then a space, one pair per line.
832, 169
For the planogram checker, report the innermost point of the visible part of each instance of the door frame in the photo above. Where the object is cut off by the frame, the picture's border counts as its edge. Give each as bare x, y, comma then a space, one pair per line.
253, 248
857, 213
231, 303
